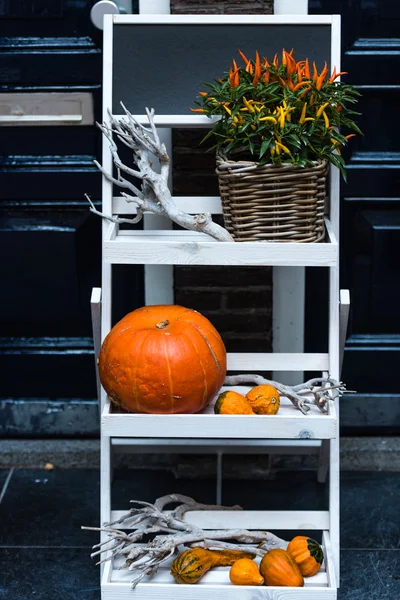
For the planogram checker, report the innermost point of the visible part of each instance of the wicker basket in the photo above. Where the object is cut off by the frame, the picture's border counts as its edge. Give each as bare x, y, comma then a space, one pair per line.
275, 203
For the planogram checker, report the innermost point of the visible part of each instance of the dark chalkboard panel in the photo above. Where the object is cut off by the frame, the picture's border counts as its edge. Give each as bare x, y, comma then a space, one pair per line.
156, 65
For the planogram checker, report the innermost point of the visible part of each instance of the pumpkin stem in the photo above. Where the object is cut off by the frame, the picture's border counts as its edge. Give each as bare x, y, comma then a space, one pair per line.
162, 324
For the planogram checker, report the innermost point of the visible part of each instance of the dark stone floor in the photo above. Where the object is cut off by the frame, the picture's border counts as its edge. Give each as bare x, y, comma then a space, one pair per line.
45, 555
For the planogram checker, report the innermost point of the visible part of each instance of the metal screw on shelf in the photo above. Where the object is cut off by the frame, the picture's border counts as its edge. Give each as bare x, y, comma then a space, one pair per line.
305, 434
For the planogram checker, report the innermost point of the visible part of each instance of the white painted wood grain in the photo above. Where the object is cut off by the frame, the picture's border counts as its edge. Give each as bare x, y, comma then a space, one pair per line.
343, 322
168, 591
107, 189
223, 19
279, 361
95, 306
105, 486
159, 279
190, 204
213, 445
188, 248
253, 519
328, 559
289, 423
215, 584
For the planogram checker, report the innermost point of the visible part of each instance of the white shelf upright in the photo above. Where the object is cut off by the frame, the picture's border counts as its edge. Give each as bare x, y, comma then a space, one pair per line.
290, 428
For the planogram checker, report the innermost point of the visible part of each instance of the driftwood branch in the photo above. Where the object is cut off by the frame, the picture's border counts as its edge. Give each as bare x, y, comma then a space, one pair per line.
321, 390
171, 533
152, 193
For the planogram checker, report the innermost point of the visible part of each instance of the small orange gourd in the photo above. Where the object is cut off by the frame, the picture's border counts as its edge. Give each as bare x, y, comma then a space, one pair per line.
264, 399
307, 553
232, 403
278, 567
191, 565
245, 572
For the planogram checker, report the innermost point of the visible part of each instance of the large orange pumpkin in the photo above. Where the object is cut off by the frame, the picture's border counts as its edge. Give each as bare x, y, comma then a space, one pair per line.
164, 360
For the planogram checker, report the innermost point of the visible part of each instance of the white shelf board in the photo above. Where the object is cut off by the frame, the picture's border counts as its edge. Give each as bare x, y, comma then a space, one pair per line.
289, 423
215, 584
285, 520
172, 247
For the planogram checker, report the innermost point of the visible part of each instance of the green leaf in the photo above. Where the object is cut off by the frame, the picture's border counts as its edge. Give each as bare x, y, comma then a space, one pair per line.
264, 146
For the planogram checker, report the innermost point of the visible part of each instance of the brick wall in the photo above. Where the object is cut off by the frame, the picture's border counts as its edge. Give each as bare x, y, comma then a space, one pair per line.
238, 301
220, 7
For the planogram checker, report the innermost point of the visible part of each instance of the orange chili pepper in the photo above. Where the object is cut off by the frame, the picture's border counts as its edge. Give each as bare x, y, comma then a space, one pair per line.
203, 93
322, 76
350, 136
284, 60
299, 74
257, 70
306, 70
283, 82
336, 75
299, 85
315, 73
198, 110
290, 84
291, 65
249, 68
275, 61
245, 59
305, 92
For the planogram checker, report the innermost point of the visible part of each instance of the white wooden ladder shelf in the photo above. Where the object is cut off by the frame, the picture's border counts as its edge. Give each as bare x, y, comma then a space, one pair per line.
135, 60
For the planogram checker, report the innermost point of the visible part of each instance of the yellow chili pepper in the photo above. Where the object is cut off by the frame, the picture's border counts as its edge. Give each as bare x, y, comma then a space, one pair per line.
253, 127
235, 120
244, 109
281, 117
303, 113
248, 105
326, 119
257, 108
277, 148
308, 119
272, 151
272, 119
228, 110
284, 148
322, 108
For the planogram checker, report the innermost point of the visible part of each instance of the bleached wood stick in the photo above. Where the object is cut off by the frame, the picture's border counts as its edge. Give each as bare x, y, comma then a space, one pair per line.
154, 194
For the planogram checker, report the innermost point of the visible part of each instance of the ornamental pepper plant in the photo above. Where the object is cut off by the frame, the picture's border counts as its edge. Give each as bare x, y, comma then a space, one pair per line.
281, 111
